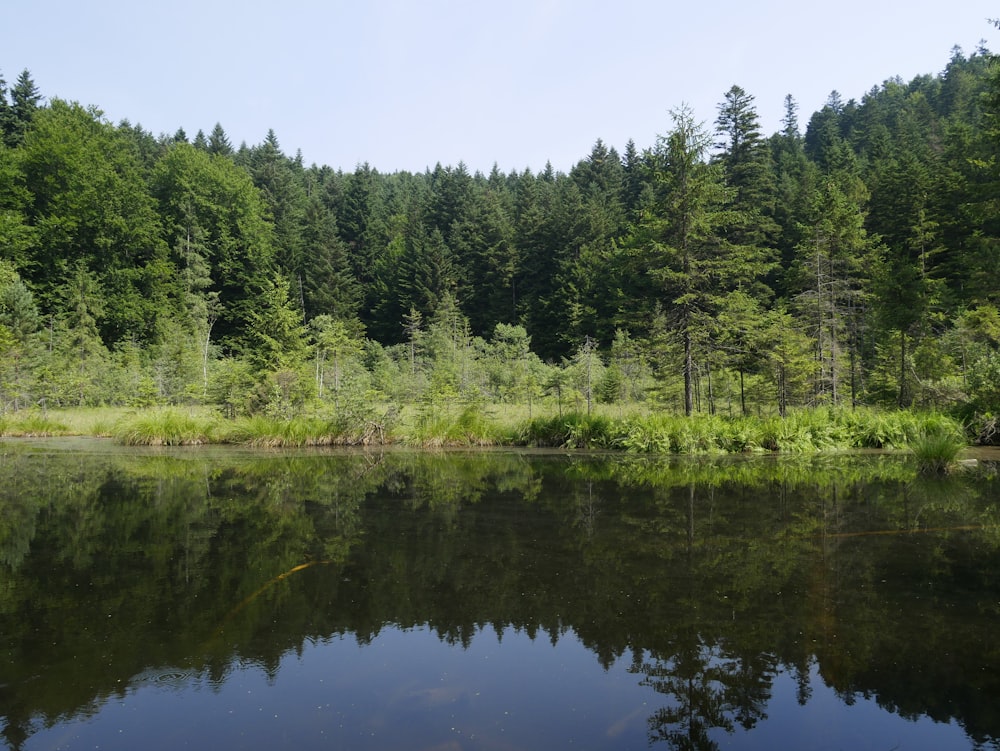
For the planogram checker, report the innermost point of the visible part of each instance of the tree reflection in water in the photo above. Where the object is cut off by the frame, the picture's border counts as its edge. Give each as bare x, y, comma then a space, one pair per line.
715, 575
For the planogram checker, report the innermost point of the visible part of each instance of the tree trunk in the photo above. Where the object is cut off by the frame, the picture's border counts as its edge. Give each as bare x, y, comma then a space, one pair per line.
688, 374
904, 395
743, 395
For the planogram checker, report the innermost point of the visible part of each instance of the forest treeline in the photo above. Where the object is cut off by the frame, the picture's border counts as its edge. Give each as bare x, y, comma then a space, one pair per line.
855, 260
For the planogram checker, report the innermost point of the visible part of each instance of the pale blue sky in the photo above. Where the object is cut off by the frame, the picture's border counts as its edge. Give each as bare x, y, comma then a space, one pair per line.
403, 85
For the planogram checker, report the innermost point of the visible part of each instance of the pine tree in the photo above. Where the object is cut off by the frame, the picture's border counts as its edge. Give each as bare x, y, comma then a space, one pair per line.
329, 285
746, 164
279, 182
835, 258
483, 243
683, 235
6, 115
275, 337
24, 99
217, 143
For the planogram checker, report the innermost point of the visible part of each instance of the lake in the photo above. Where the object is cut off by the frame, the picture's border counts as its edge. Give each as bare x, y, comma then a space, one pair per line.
212, 598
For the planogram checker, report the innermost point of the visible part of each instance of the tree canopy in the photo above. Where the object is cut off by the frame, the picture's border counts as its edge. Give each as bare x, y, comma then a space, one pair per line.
855, 262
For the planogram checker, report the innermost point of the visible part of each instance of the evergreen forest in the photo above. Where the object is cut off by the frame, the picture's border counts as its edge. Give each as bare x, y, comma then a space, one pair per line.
851, 258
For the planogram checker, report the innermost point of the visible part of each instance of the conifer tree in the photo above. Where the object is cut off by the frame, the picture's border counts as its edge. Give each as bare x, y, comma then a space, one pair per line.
217, 142
682, 236
6, 114
24, 101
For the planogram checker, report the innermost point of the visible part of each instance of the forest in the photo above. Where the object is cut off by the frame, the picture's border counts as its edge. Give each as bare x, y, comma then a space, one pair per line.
850, 259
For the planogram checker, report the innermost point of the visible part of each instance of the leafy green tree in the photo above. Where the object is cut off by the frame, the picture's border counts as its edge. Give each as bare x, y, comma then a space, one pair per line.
746, 160
427, 273
200, 142
904, 288
741, 325
18, 311
585, 370
483, 244
360, 219
90, 202
450, 193
553, 231
6, 113
19, 320
81, 358
790, 353
795, 174
512, 366
231, 385
17, 236
215, 218
630, 358
449, 348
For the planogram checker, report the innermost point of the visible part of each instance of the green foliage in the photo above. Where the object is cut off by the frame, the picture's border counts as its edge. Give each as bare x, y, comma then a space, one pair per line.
231, 384
717, 272
275, 337
984, 381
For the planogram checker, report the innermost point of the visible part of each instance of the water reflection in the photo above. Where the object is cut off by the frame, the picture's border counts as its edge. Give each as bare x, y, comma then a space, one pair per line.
611, 601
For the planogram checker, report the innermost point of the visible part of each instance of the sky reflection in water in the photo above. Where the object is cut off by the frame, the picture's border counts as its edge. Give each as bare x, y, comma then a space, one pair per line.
408, 689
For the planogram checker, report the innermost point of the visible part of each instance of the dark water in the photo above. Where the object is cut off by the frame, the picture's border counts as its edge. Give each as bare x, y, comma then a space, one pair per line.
210, 599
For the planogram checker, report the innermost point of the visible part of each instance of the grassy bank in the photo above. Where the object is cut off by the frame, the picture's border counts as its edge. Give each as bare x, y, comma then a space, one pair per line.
799, 432
641, 431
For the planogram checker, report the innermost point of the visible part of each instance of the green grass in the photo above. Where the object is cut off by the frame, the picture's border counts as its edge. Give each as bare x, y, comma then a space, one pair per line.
640, 430
164, 427
464, 425
32, 424
937, 447
576, 430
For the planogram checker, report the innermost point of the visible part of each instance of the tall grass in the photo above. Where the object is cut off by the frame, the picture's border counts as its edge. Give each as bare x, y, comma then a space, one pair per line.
937, 446
474, 424
296, 432
573, 430
32, 424
467, 425
164, 427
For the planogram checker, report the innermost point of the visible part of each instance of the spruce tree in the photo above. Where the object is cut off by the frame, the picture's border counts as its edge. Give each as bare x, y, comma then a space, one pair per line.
683, 233
24, 101
217, 142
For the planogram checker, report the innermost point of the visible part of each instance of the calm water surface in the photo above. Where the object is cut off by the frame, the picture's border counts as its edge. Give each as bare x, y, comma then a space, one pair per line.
214, 598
